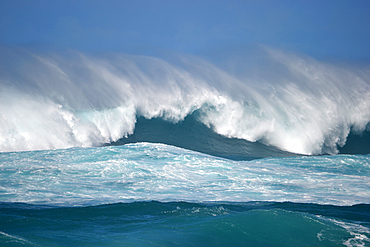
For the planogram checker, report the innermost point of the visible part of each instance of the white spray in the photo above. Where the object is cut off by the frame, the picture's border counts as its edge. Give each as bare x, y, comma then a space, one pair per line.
298, 104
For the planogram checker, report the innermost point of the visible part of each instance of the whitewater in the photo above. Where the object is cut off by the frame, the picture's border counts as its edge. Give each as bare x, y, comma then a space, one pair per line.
296, 104
268, 149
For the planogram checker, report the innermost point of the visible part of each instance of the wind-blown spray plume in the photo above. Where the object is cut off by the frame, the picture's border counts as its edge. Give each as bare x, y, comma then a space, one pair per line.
297, 104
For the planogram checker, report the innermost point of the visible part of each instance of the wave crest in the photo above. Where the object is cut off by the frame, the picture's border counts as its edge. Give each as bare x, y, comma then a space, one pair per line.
292, 102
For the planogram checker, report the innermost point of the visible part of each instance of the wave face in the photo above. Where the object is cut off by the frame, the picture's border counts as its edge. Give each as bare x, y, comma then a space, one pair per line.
191, 134
284, 101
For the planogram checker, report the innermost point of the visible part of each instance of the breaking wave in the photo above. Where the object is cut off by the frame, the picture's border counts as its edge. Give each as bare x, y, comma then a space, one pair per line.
286, 102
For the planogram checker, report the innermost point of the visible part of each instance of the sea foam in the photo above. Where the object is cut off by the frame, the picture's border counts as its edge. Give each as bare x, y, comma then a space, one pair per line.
147, 171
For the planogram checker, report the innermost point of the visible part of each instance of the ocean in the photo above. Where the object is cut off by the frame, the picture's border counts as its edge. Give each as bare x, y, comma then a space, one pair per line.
128, 150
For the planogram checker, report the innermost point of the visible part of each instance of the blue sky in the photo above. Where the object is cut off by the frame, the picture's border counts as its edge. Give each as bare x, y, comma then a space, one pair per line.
324, 29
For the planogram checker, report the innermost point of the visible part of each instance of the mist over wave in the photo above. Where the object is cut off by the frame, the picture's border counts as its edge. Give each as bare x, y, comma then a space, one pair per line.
292, 102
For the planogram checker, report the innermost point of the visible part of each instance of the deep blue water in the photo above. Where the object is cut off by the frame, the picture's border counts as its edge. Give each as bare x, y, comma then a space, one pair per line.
185, 224
122, 150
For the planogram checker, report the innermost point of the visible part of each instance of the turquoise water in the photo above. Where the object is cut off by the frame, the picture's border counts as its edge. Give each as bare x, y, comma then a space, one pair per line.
104, 196
149, 171
124, 150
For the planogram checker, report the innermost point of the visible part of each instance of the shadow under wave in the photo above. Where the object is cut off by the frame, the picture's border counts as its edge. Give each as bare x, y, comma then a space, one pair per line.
194, 135
357, 143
